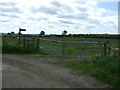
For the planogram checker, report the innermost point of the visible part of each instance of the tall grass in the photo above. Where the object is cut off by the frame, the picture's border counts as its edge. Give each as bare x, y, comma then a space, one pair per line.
19, 50
16, 49
10, 45
106, 69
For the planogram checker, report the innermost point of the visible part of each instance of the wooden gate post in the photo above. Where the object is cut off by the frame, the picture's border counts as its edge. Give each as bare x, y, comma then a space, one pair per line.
37, 43
19, 36
104, 49
27, 43
109, 49
63, 48
24, 42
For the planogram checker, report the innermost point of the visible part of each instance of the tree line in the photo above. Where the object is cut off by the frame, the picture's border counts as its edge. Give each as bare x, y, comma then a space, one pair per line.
64, 34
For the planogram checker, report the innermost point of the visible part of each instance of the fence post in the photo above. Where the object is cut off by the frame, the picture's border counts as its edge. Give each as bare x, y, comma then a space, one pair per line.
19, 37
104, 48
24, 42
63, 48
37, 44
115, 54
27, 43
109, 51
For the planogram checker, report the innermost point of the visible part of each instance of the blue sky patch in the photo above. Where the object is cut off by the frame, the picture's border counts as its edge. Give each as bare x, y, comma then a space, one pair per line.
109, 5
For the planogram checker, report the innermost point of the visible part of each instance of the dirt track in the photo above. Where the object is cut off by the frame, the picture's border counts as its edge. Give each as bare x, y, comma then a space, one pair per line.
21, 72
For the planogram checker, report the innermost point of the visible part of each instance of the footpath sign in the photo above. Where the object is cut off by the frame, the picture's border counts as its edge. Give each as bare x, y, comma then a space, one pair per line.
22, 29
20, 33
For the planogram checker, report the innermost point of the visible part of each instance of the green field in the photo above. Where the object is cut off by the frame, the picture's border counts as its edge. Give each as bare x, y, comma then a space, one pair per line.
112, 42
51, 45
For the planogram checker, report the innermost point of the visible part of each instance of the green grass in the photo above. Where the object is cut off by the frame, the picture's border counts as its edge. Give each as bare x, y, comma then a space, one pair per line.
11, 48
75, 48
70, 48
18, 50
10, 45
112, 42
104, 69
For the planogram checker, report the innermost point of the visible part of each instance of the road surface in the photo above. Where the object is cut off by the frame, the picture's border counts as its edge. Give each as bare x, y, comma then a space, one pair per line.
22, 72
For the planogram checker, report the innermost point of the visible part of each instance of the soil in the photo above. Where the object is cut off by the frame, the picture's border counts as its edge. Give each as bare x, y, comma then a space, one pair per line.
23, 72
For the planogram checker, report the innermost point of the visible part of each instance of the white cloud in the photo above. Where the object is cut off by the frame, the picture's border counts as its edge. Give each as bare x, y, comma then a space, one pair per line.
54, 16
92, 3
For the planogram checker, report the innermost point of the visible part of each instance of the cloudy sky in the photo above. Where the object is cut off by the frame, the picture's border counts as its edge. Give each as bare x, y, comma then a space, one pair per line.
54, 16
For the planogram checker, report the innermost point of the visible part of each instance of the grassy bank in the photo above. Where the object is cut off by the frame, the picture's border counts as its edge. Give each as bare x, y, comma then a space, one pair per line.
104, 69
18, 50
10, 45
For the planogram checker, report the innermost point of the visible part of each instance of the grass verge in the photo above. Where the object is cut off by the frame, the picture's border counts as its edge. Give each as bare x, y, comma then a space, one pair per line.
18, 50
104, 69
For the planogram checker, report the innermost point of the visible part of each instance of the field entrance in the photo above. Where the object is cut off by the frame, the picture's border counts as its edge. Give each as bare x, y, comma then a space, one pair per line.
59, 47
72, 48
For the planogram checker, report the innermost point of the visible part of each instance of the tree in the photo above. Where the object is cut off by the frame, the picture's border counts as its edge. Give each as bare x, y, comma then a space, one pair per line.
12, 32
70, 34
9, 33
64, 32
42, 33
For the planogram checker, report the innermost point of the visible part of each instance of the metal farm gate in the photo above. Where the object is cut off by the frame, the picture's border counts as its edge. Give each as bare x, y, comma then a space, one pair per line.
73, 48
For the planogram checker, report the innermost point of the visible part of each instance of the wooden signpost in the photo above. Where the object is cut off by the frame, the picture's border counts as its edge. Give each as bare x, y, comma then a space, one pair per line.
22, 29
20, 33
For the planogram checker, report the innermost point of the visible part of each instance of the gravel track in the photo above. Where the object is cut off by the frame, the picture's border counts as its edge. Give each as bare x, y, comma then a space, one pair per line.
22, 72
